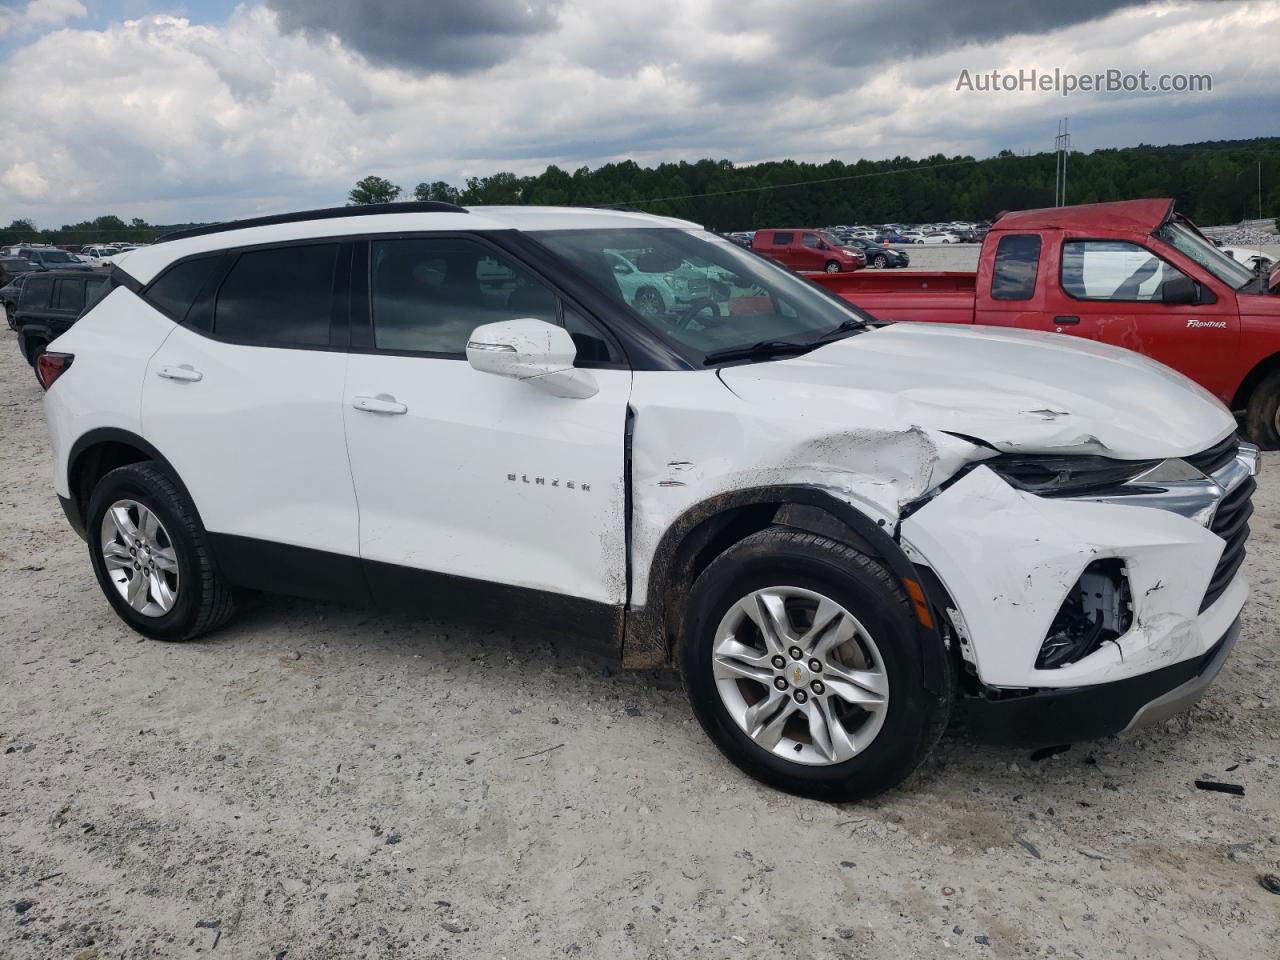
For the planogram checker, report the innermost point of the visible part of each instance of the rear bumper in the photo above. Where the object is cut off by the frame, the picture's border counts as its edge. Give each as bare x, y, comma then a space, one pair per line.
1067, 715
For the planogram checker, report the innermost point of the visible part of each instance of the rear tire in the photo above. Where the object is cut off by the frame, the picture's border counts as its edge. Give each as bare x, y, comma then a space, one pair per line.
199, 599
781, 561
1262, 417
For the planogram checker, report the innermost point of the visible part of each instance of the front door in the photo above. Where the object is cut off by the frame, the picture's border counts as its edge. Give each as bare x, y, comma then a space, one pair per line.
467, 480
1112, 292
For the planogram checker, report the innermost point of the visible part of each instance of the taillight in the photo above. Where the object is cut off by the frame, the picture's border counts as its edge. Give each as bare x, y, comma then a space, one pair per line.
50, 366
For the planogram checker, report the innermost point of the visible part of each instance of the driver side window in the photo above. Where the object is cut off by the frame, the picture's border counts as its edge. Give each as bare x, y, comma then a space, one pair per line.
427, 295
810, 240
1113, 270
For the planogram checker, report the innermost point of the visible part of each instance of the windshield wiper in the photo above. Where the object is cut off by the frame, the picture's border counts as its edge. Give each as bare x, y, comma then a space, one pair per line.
846, 326
761, 348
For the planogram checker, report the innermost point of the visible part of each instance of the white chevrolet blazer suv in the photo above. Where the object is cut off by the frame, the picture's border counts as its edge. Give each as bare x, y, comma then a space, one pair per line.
843, 532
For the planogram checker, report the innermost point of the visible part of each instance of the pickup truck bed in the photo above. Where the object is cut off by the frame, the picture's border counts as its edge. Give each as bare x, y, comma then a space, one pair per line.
946, 297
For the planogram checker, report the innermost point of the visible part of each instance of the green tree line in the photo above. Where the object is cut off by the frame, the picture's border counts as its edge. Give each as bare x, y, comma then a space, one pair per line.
1213, 182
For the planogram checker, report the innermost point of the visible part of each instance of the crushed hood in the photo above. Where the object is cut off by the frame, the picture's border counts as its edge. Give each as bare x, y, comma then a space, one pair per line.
1020, 391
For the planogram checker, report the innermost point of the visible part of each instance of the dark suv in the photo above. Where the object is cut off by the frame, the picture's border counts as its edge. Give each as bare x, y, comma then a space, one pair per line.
49, 304
12, 272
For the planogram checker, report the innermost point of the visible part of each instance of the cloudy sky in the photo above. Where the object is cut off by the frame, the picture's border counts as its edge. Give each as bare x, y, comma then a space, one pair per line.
208, 110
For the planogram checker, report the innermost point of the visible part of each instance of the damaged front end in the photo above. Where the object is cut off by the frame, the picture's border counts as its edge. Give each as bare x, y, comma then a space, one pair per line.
1069, 574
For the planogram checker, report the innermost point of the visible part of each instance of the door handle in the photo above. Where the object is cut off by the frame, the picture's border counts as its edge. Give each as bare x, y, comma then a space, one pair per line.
1065, 321
382, 403
185, 373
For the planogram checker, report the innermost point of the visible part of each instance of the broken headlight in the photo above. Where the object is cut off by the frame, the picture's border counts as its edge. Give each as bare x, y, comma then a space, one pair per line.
1057, 476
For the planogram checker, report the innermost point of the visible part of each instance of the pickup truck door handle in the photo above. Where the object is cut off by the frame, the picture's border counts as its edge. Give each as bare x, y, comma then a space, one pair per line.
185, 373
1065, 321
382, 403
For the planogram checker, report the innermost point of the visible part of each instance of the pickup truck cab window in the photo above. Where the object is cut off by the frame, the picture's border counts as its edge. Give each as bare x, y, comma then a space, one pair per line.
1017, 263
1113, 270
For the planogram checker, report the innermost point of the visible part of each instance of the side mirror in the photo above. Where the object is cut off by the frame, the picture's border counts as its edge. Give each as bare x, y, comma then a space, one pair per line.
1178, 291
534, 351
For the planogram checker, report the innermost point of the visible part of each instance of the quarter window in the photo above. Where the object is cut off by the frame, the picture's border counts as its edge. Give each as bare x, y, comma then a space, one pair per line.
36, 292
1017, 262
278, 297
178, 287
1113, 270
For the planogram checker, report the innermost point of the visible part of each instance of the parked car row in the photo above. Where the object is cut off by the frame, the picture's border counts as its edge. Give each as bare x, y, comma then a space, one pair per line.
881, 236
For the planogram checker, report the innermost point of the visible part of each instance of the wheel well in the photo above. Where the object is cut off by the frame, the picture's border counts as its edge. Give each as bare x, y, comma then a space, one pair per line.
95, 462
1252, 379
650, 635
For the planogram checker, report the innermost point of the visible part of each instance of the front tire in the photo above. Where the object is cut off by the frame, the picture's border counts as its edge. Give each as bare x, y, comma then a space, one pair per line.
880, 262
831, 266
150, 554
1262, 417
850, 716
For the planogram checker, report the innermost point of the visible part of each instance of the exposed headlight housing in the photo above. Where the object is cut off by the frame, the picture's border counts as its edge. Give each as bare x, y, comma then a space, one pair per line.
1073, 476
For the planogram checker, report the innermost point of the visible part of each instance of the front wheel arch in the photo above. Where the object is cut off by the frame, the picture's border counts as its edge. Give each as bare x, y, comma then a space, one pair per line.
707, 529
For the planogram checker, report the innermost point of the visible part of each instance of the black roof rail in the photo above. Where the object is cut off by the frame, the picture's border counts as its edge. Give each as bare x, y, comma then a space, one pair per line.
328, 213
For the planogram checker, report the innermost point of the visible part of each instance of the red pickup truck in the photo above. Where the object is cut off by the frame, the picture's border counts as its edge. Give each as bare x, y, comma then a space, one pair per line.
1133, 273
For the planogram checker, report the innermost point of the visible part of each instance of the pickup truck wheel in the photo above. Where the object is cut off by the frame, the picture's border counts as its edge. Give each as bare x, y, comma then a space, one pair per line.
150, 555
880, 261
802, 662
831, 266
1262, 418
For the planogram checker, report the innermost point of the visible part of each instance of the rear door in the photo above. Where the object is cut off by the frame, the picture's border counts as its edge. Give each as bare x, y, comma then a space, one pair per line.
467, 479
244, 398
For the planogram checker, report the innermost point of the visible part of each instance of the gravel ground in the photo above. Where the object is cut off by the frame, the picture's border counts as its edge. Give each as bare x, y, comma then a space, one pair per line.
320, 782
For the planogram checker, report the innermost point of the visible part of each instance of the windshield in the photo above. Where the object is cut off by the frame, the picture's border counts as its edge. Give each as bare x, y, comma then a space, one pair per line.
737, 299
833, 240
56, 256
1187, 241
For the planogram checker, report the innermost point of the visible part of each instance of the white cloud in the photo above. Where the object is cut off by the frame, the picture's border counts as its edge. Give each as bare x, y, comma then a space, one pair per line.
40, 14
167, 119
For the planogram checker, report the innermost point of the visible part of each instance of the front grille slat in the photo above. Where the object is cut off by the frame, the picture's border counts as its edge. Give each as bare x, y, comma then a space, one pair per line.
1231, 523
1217, 456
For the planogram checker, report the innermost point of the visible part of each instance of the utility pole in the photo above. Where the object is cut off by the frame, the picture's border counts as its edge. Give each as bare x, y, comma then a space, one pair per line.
1062, 147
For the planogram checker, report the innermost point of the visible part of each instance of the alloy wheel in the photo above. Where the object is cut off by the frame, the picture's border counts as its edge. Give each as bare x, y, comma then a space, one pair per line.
800, 675
140, 558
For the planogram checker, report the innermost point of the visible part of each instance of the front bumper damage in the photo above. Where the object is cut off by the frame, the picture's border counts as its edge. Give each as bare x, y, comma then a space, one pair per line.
1007, 560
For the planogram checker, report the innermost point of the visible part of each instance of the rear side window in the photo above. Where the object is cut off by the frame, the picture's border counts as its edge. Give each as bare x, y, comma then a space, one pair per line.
179, 286
1017, 262
278, 297
69, 295
94, 290
36, 292
783, 239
